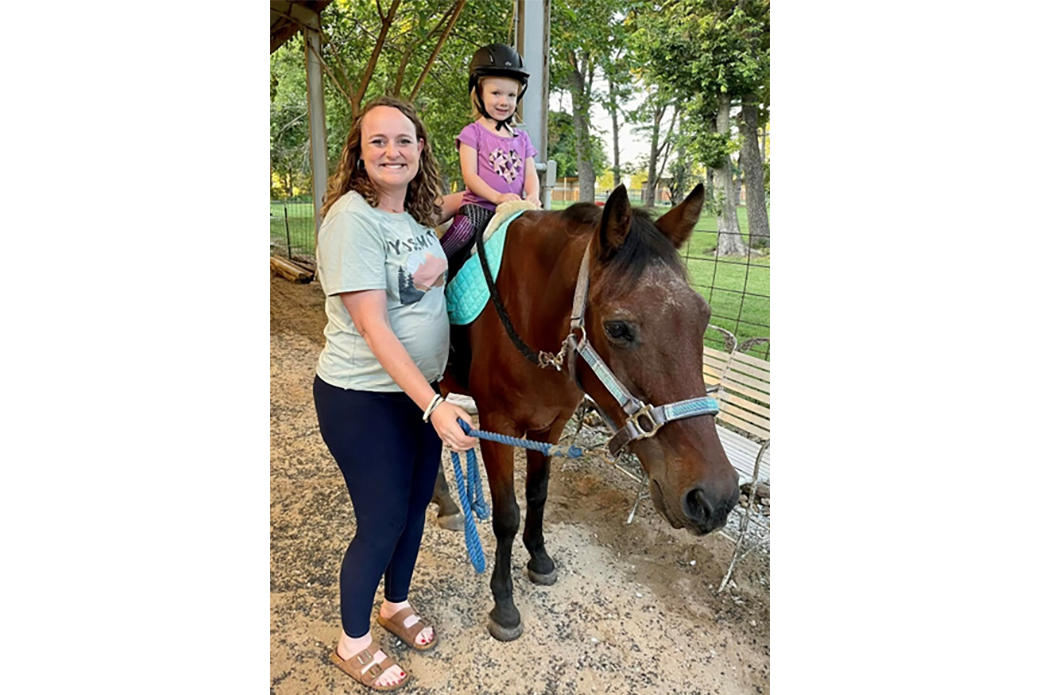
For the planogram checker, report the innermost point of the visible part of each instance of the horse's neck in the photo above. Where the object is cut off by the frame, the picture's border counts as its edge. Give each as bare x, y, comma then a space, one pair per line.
555, 270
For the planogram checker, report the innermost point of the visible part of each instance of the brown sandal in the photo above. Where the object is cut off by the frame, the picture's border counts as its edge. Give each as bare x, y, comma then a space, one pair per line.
407, 635
354, 665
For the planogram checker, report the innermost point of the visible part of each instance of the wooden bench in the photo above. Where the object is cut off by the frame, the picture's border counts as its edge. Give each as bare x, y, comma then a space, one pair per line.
743, 399
744, 430
716, 361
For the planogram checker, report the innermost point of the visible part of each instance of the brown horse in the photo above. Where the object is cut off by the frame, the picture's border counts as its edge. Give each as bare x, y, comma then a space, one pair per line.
645, 322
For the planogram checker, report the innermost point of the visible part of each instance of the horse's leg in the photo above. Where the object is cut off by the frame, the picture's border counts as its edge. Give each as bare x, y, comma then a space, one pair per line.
449, 516
541, 568
504, 623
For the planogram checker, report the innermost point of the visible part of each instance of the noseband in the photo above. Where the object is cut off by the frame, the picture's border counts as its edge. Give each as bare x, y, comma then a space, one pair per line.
644, 419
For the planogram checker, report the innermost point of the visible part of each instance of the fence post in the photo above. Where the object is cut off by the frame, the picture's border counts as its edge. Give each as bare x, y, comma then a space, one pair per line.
288, 241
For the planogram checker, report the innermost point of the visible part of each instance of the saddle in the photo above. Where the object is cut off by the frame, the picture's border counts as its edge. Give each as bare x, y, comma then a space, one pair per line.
467, 293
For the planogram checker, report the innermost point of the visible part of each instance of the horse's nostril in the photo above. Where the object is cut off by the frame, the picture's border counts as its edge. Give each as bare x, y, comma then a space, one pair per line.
696, 506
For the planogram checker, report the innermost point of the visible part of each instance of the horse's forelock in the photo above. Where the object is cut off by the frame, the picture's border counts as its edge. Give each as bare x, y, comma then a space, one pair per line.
645, 245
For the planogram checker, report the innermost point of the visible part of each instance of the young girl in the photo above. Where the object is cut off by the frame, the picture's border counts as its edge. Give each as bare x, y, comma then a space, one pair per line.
497, 160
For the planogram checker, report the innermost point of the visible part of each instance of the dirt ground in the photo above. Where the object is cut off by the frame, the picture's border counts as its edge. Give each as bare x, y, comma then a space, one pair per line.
633, 611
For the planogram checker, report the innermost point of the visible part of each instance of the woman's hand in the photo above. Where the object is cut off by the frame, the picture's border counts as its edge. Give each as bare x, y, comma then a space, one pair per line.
448, 429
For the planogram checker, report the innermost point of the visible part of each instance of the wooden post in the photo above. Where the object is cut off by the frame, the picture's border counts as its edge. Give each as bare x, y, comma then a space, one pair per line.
316, 114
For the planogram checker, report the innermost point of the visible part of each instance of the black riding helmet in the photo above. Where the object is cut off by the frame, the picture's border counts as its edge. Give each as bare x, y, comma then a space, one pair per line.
497, 60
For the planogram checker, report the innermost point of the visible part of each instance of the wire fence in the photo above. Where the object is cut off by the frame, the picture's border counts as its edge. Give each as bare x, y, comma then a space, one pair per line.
736, 287
292, 229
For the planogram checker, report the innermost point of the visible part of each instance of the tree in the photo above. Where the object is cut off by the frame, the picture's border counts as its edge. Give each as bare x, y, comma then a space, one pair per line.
618, 71
290, 136
581, 39
352, 48
755, 173
637, 180
652, 112
683, 169
418, 50
715, 55
562, 146
730, 241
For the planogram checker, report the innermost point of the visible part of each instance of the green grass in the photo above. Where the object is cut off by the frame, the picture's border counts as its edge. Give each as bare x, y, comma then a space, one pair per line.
729, 284
300, 216
725, 283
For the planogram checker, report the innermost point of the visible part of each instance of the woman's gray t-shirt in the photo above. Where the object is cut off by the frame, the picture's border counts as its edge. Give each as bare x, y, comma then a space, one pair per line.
364, 248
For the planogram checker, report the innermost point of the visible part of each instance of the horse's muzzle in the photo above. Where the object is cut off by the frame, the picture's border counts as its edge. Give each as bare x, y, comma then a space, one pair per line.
704, 511
702, 508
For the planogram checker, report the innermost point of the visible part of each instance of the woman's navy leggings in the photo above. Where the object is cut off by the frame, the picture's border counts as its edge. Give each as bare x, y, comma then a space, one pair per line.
389, 459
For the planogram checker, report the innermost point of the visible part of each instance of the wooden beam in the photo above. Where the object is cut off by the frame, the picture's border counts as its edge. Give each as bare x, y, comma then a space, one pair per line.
290, 271
287, 18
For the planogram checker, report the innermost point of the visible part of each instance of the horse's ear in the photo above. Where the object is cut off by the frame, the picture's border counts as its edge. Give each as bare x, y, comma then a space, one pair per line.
678, 222
617, 220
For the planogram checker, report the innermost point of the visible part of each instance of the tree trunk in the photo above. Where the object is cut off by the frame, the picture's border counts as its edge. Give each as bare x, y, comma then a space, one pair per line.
730, 241
758, 218
680, 172
614, 126
580, 107
651, 172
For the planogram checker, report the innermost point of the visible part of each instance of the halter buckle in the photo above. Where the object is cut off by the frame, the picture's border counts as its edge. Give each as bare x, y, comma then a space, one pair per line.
639, 420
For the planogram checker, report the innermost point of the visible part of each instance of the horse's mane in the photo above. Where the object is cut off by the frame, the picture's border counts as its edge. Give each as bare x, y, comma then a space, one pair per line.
645, 244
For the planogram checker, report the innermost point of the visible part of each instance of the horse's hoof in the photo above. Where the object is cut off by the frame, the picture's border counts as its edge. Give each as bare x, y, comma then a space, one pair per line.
452, 522
504, 634
543, 579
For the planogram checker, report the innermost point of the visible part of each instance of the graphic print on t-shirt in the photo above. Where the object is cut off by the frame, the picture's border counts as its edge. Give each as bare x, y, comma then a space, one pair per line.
506, 164
420, 273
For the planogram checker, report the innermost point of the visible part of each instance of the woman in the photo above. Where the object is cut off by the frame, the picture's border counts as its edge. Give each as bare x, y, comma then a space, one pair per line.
383, 271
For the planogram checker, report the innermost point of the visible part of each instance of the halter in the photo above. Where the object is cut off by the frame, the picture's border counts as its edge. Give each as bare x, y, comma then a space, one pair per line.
644, 419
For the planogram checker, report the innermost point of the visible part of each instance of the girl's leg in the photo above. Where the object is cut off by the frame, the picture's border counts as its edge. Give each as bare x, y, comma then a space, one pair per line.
462, 235
460, 231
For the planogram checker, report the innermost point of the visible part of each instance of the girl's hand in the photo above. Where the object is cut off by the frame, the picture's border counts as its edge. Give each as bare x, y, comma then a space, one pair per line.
448, 430
534, 200
506, 197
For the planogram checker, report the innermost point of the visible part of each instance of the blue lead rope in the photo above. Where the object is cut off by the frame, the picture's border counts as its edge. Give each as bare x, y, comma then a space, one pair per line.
544, 447
471, 495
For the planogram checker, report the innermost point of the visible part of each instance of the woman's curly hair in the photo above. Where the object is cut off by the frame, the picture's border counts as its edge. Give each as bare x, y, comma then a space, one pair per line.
421, 198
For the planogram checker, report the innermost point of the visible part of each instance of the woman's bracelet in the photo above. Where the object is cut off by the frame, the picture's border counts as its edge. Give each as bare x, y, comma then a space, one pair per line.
437, 400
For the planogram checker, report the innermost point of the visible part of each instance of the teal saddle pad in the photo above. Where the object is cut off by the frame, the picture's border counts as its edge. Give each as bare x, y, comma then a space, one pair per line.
467, 293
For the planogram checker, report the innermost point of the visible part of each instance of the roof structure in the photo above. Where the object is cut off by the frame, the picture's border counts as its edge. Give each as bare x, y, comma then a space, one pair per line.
286, 18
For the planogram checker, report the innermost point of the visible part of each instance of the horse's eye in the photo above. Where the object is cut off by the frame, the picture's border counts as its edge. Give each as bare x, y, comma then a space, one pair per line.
620, 331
